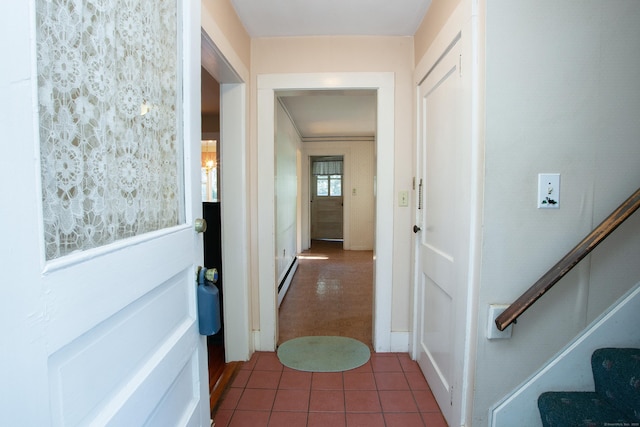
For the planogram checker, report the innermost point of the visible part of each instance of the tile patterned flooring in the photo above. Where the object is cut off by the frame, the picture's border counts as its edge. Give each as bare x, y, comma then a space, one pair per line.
389, 390
331, 294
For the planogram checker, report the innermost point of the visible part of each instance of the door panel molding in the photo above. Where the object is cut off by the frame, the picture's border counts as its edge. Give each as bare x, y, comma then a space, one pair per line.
447, 246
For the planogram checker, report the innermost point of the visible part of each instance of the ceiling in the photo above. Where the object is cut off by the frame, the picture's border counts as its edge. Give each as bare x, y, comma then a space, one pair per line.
324, 114
331, 113
287, 18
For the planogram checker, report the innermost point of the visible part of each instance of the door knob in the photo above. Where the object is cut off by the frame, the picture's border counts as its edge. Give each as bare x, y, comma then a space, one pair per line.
200, 225
206, 275
416, 228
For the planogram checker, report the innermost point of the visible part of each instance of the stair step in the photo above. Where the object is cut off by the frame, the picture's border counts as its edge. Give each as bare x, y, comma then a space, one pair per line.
577, 409
616, 373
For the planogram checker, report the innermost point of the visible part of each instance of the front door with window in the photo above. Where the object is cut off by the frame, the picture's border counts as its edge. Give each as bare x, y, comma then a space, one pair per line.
327, 215
98, 305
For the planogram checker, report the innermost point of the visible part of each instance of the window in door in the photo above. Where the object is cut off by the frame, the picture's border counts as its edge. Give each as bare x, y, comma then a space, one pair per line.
329, 185
110, 114
328, 176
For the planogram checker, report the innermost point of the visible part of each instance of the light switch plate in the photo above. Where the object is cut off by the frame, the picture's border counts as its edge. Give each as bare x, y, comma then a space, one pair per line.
403, 199
493, 333
549, 191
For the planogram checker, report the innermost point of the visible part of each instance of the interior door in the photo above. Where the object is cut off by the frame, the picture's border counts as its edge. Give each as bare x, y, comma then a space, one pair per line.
327, 211
101, 297
442, 231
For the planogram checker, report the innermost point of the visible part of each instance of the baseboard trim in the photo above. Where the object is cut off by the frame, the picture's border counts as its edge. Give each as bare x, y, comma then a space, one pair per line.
400, 342
283, 287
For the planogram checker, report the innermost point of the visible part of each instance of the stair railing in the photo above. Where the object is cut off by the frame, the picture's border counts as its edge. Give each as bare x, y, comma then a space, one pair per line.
573, 257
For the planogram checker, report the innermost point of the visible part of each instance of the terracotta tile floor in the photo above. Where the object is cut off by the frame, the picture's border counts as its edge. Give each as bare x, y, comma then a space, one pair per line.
389, 390
331, 294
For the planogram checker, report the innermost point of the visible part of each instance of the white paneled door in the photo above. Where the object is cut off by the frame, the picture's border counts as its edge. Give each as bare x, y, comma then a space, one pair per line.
98, 303
442, 230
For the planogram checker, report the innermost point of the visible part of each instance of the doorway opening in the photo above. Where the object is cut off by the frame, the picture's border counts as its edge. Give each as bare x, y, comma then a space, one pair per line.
211, 211
334, 132
271, 89
230, 178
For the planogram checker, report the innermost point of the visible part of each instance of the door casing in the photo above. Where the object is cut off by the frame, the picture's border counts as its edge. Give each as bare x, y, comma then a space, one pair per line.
268, 84
233, 184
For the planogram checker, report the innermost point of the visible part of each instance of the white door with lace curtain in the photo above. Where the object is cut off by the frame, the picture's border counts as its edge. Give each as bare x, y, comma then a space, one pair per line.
100, 292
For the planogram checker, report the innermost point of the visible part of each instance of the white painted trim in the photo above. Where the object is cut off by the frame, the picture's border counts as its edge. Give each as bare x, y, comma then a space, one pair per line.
234, 218
191, 128
266, 225
224, 50
384, 83
476, 79
255, 337
400, 342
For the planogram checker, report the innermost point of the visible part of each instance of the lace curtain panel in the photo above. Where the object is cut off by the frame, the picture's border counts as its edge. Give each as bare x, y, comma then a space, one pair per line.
111, 149
333, 167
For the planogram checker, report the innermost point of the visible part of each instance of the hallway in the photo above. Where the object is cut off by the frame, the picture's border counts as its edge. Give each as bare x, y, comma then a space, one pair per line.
331, 294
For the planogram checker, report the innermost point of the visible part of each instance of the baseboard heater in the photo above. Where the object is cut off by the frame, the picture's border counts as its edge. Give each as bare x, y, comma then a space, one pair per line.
283, 287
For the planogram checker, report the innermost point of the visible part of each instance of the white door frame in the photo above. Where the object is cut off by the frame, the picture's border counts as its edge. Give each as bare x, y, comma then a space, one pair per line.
384, 84
233, 185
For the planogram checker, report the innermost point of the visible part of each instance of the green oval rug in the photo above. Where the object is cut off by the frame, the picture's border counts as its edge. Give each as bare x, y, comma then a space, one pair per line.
323, 354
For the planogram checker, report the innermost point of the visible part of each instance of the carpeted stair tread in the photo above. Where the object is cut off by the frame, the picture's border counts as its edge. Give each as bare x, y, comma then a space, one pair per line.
616, 372
615, 401
577, 409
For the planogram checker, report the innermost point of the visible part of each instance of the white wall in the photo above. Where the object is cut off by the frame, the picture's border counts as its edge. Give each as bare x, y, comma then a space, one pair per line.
359, 175
287, 146
562, 95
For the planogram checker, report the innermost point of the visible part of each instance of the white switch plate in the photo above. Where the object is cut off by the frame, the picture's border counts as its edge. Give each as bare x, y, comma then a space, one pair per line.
549, 191
493, 333
403, 199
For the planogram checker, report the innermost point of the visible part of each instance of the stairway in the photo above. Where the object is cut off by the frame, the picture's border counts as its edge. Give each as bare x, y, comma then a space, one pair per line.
615, 401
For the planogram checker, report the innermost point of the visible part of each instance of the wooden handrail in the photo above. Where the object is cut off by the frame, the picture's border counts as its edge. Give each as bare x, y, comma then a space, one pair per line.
558, 271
